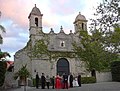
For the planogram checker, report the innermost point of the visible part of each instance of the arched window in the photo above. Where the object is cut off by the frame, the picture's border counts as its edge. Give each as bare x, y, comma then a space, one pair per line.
36, 21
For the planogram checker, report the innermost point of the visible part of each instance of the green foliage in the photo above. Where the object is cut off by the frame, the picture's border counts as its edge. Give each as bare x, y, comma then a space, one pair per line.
39, 49
4, 54
22, 72
106, 20
34, 82
3, 30
3, 66
115, 70
106, 16
2, 72
87, 80
93, 51
56, 54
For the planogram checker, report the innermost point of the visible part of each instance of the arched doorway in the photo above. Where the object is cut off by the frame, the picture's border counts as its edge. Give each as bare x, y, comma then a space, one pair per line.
63, 66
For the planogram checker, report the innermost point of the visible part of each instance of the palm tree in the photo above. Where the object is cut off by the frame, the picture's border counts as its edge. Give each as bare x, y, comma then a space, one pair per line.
2, 29
23, 73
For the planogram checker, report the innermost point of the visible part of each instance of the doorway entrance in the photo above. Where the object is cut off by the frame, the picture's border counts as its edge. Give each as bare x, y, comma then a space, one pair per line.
63, 66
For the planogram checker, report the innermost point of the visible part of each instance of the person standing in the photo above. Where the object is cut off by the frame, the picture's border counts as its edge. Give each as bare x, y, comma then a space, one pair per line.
53, 82
58, 82
71, 80
37, 80
79, 80
65, 81
75, 82
47, 81
43, 80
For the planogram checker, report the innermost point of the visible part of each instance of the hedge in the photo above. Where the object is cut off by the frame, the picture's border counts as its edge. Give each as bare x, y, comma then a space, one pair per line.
115, 70
86, 80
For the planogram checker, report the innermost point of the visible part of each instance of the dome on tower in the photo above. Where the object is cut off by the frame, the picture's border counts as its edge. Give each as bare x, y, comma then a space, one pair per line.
35, 11
80, 17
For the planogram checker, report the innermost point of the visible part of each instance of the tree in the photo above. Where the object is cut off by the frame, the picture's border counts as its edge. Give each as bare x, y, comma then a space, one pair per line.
92, 51
106, 20
3, 67
2, 29
23, 73
102, 45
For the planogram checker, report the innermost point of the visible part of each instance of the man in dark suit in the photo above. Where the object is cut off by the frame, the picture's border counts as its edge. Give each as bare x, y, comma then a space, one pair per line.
43, 80
79, 80
37, 80
71, 80
53, 82
65, 81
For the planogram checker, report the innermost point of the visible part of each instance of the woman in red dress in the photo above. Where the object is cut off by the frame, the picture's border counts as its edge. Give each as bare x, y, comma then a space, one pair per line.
58, 82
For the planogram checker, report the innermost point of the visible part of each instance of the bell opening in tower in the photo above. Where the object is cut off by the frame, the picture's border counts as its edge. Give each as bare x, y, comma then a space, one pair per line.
82, 26
36, 22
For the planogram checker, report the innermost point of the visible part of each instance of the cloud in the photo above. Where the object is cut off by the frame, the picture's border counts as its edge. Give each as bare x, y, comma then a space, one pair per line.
11, 45
66, 7
12, 10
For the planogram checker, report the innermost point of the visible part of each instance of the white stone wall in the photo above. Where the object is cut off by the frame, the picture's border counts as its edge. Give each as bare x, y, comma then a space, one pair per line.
49, 68
103, 76
41, 66
21, 58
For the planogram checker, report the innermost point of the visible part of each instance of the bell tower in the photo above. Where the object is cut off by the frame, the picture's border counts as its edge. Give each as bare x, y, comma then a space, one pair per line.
80, 23
35, 21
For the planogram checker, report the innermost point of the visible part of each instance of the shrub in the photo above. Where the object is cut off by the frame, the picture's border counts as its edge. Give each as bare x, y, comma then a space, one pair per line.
23, 73
34, 82
2, 72
86, 80
115, 70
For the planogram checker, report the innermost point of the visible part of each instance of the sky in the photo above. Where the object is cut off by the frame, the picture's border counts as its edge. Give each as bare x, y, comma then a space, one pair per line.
56, 13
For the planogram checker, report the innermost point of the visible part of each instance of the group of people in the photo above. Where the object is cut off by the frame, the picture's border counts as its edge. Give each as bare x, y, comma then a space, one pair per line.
65, 81
45, 81
59, 82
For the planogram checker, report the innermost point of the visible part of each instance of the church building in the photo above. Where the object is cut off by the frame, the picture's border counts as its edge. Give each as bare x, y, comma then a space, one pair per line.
59, 44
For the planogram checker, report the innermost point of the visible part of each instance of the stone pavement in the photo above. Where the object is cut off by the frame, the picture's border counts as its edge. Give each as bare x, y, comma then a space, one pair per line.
103, 86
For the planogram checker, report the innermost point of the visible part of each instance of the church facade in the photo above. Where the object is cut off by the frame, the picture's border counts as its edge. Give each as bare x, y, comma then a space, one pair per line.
58, 43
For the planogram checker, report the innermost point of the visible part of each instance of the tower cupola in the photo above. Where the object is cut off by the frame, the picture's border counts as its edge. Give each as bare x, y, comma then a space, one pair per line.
80, 23
35, 20
35, 11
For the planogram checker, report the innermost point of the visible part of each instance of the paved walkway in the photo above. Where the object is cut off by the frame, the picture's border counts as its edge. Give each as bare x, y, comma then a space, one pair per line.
104, 86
